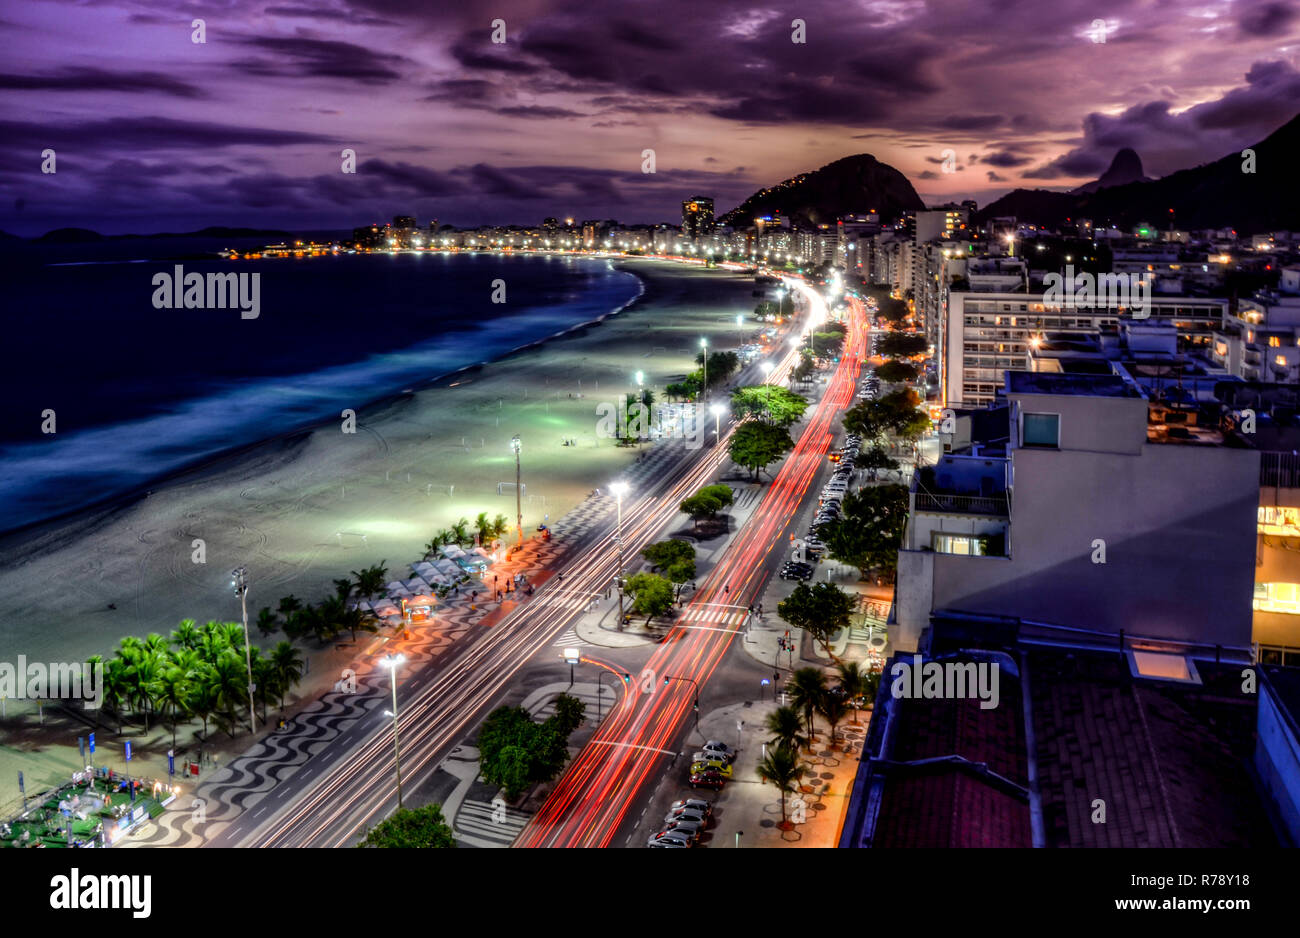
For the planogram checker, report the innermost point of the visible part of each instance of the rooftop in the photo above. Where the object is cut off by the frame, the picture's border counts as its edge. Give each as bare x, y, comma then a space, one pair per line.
1077, 385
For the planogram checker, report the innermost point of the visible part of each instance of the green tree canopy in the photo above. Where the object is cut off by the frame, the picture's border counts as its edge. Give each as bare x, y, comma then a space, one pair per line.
411, 827
869, 532
902, 344
515, 751
675, 559
894, 412
757, 445
820, 610
897, 372
652, 595
768, 402
707, 502
892, 310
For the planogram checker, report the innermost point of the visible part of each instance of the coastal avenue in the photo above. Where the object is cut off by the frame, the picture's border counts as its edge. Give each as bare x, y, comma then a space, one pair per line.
594, 795
353, 784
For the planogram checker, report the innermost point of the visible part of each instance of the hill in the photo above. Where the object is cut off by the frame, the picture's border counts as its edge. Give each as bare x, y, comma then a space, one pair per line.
1213, 195
853, 185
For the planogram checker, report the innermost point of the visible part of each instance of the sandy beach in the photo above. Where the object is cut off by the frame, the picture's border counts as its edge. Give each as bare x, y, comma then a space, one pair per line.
301, 511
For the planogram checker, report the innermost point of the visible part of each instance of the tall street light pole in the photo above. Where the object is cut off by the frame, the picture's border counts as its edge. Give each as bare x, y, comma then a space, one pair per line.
704, 344
391, 662
619, 489
519, 498
240, 575
717, 410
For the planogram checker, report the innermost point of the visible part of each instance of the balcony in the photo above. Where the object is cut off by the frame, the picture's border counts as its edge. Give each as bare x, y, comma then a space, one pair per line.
999, 504
1279, 470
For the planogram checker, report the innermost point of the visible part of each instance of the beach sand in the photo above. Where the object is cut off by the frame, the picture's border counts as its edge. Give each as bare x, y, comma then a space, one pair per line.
301, 511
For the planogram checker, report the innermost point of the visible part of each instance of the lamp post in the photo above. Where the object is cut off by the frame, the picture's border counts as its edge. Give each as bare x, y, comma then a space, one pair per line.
519, 499
240, 575
619, 489
573, 656
716, 410
671, 677
704, 344
640, 397
391, 662
767, 371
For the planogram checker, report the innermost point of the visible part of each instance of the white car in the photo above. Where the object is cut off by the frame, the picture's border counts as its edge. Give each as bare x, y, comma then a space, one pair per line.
714, 745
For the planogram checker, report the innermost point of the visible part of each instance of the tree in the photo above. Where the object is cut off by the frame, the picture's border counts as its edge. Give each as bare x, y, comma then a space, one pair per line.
230, 686
897, 372
892, 310
287, 661
820, 610
770, 403
460, 531
852, 683
827, 344
833, 707
412, 827
869, 532
876, 458
782, 769
675, 559
707, 502
806, 688
893, 412
202, 701
652, 595
185, 635
787, 305
370, 581
902, 344
569, 712
786, 727
515, 752
500, 525
267, 621
804, 370
483, 528
722, 365
174, 693
755, 446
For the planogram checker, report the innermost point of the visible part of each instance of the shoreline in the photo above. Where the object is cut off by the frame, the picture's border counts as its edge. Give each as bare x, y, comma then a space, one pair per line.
25, 534
119, 544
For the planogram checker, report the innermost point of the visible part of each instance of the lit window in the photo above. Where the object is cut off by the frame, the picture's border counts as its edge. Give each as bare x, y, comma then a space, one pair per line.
1042, 430
1274, 342
1278, 597
964, 544
1280, 361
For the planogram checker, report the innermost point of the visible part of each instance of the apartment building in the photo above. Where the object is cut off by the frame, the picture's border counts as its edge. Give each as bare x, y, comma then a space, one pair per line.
1262, 341
1087, 514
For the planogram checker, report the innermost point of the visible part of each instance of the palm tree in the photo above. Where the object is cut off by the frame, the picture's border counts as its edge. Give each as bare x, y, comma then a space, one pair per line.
460, 530
185, 635
833, 707
806, 688
147, 669
370, 581
781, 767
483, 528
263, 677
202, 701
852, 680
327, 618
116, 687
786, 727
500, 525
343, 588
156, 644
188, 660
288, 667
267, 621
289, 605
358, 619
229, 685
174, 692
233, 633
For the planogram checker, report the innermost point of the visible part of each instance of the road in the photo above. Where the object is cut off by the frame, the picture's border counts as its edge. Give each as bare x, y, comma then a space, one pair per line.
592, 801
328, 800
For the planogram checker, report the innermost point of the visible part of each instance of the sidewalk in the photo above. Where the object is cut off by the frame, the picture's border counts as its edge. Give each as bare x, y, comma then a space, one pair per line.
751, 807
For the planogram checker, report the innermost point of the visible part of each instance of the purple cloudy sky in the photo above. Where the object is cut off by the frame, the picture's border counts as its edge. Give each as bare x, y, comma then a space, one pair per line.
155, 132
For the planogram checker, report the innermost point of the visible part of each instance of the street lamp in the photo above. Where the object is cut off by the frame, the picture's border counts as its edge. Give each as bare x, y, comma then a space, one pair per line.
519, 499
619, 489
391, 662
704, 344
716, 410
240, 583
573, 656
767, 370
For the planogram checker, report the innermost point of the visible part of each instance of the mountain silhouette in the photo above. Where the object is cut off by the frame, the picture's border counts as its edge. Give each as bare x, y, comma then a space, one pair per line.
850, 186
1126, 167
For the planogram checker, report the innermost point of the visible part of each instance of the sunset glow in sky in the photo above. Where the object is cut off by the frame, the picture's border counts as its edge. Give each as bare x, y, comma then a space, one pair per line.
154, 132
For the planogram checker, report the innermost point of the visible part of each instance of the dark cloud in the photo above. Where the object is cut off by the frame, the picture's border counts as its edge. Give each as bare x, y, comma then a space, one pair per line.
1266, 19
86, 79
351, 17
476, 50
298, 57
972, 122
537, 112
928, 174
1004, 159
994, 177
146, 133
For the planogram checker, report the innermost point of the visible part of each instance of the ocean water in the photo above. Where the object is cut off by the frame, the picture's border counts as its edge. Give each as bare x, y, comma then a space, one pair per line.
140, 392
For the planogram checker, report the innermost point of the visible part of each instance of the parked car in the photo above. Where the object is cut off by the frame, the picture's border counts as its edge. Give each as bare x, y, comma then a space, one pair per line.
689, 829
721, 766
710, 779
699, 805
668, 839
722, 749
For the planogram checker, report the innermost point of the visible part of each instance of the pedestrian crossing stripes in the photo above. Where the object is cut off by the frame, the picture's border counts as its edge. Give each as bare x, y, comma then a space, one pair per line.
713, 615
747, 496
483, 820
570, 640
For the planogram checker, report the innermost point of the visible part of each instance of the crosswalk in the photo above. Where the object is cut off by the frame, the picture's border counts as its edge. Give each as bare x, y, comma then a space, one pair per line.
570, 639
489, 823
713, 614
